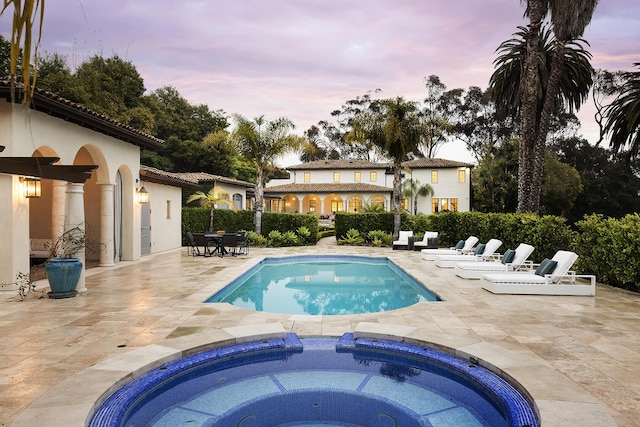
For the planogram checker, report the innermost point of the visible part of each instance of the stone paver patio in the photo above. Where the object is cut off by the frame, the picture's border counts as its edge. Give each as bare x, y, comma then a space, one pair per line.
579, 357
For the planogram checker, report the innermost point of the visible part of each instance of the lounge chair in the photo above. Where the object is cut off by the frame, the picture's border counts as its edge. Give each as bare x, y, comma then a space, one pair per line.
552, 277
463, 247
483, 252
511, 260
429, 241
405, 240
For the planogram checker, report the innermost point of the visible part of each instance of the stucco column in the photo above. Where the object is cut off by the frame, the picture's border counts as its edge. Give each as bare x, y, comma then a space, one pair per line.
321, 202
106, 225
58, 201
74, 217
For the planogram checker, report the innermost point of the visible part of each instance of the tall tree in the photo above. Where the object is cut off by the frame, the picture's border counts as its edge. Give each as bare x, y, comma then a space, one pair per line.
54, 74
611, 183
623, 115
536, 10
263, 142
109, 86
510, 83
434, 116
569, 20
606, 85
395, 130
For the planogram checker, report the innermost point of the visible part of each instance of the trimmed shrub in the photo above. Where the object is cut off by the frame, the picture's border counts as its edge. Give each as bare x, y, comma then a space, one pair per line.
610, 249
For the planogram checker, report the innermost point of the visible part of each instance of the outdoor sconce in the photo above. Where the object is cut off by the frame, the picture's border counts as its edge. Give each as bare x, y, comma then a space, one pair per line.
31, 187
143, 195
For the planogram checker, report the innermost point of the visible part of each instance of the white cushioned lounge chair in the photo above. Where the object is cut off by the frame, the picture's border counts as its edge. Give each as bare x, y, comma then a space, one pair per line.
429, 241
475, 270
488, 254
551, 278
467, 247
403, 240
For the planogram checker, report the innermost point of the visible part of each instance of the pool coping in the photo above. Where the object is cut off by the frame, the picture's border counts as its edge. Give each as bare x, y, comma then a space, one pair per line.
558, 400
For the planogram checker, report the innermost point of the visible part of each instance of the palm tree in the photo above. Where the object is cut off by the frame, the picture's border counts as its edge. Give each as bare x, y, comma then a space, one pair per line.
263, 142
395, 130
508, 84
569, 20
210, 200
413, 189
623, 115
22, 40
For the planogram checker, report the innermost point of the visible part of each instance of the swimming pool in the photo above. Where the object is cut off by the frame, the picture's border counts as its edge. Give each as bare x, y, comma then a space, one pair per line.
328, 285
318, 381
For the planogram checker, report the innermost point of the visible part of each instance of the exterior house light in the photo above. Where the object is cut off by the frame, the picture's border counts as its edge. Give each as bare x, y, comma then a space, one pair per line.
143, 195
31, 187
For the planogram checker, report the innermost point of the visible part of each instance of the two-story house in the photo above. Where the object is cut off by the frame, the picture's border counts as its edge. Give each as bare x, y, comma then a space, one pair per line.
324, 187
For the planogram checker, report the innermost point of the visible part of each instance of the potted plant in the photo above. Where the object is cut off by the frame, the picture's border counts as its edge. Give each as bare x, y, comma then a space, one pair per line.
63, 268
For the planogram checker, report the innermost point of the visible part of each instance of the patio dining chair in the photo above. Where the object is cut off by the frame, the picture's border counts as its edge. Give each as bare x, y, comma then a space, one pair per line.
229, 244
194, 246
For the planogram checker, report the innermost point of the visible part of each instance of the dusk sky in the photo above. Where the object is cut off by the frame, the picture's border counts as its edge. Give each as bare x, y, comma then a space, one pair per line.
302, 59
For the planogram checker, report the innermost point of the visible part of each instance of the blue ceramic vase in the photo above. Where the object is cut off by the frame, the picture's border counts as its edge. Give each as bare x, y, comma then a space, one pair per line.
63, 275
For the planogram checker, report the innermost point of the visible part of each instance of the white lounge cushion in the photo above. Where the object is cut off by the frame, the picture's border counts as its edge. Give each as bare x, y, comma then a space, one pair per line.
475, 270
430, 254
425, 239
403, 238
450, 261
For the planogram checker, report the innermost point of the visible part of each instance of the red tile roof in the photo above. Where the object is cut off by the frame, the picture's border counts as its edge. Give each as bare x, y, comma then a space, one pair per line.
207, 177
57, 106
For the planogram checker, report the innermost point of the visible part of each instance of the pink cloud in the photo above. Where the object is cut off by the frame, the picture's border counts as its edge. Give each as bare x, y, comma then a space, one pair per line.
302, 58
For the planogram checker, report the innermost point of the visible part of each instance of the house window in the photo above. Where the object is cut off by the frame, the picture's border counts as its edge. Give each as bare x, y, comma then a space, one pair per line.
312, 205
356, 176
336, 205
439, 205
237, 201
377, 200
275, 206
434, 177
336, 177
373, 177
168, 209
355, 204
405, 204
462, 175
307, 177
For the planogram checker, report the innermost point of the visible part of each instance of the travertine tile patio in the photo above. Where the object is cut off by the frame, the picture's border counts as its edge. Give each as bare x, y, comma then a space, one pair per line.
578, 356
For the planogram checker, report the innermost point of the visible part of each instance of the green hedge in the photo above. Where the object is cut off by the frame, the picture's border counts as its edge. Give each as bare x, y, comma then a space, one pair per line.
610, 249
547, 233
196, 220
284, 222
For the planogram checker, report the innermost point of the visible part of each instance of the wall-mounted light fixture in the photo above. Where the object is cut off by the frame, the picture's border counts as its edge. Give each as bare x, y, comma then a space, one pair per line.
31, 187
143, 195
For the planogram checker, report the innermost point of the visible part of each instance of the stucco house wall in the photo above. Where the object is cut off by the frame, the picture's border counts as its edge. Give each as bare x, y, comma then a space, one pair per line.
54, 127
165, 202
294, 194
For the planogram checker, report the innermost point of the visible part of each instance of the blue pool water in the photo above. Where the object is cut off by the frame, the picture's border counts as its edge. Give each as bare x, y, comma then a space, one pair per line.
317, 382
324, 285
